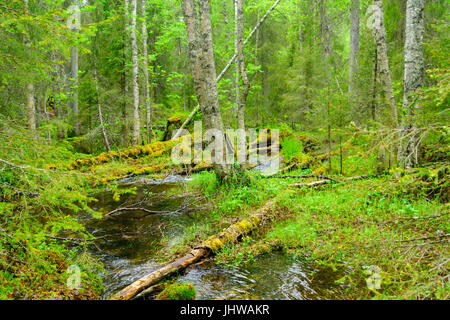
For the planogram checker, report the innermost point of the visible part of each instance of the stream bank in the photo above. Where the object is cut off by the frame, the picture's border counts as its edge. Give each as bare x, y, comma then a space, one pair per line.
131, 245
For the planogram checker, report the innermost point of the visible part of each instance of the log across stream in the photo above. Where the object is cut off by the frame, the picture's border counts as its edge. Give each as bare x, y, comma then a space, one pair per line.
132, 245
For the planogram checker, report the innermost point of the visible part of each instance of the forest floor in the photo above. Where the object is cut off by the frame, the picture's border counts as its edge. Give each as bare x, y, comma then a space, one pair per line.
389, 230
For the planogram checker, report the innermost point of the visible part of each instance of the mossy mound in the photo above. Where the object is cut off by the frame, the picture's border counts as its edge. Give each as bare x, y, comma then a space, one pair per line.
178, 291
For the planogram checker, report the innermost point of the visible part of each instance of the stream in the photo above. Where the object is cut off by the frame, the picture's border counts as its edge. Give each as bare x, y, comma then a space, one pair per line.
133, 244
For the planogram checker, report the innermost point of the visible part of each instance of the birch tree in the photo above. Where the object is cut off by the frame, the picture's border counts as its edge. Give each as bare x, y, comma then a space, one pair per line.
134, 57
74, 79
354, 46
201, 54
145, 68
124, 77
384, 74
31, 109
414, 76
239, 8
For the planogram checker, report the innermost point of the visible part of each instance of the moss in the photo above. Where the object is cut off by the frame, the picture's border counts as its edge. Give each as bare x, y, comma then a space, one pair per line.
178, 291
174, 119
155, 149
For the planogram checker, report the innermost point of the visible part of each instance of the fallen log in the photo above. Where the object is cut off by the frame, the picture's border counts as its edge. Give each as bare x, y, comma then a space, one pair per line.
213, 244
310, 184
326, 180
318, 176
365, 176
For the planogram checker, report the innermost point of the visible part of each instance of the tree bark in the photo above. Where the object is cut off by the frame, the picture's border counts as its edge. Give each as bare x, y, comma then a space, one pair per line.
354, 47
239, 7
124, 84
74, 75
201, 52
237, 84
414, 77
383, 62
148, 122
31, 107
134, 57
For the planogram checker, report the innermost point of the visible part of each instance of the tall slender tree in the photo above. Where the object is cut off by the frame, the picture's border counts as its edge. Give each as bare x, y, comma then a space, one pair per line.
384, 74
239, 7
148, 122
414, 77
74, 79
134, 58
354, 46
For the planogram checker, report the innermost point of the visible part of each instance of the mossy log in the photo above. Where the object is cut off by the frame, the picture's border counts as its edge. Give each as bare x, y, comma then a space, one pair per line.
211, 245
155, 149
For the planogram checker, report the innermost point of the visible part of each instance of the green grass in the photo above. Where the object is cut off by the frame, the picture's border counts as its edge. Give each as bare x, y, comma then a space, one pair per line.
370, 223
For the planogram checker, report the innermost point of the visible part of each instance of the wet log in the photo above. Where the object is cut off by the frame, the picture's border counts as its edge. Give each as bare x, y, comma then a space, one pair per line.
213, 244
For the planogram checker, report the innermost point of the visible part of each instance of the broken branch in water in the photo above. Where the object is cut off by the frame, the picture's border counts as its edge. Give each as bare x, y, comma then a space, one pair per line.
148, 212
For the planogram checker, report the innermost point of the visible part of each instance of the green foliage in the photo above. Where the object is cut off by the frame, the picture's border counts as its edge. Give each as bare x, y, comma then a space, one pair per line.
35, 206
206, 182
292, 147
178, 291
369, 223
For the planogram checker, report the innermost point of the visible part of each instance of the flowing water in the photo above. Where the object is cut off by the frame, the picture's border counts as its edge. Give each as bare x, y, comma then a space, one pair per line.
132, 244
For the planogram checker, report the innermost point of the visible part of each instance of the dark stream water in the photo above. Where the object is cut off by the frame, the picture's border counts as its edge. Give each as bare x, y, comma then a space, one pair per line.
133, 244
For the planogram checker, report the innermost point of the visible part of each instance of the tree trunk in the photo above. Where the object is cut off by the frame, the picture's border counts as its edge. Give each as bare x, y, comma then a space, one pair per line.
148, 123
354, 47
373, 106
134, 57
31, 108
414, 77
124, 84
203, 69
383, 62
97, 93
74, 79
239, 7
230, 62
237, 84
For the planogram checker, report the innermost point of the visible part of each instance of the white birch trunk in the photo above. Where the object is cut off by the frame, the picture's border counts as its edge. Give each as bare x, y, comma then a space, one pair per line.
354, 47
246, 85
383, 62
414, 77
148, 123
134, 57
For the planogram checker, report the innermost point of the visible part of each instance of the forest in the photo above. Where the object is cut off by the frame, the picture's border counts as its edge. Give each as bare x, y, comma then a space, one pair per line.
224, 149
